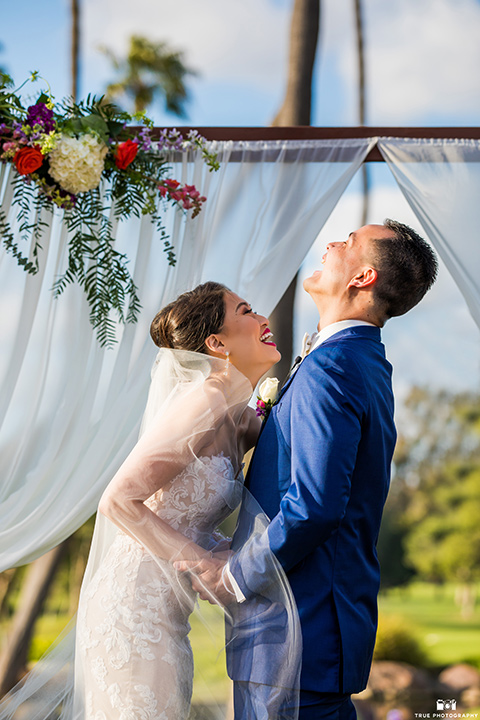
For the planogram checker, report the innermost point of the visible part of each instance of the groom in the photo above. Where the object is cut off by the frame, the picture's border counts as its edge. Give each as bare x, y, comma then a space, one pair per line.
321, 468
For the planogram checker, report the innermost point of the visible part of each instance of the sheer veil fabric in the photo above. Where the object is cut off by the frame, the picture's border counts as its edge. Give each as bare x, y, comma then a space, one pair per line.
133, 658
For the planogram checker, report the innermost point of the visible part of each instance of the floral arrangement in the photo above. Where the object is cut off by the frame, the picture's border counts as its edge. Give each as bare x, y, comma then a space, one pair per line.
64, 155
267, 395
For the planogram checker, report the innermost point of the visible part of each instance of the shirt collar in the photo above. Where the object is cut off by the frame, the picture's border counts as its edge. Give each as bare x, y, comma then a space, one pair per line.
332, 329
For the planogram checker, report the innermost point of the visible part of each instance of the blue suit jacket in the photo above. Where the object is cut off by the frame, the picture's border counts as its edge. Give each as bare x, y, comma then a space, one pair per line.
321, 471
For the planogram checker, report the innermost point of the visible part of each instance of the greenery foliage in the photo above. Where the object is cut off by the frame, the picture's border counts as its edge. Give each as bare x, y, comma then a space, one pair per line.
434, 504
150, 70
84, 160
430, 613
396, 641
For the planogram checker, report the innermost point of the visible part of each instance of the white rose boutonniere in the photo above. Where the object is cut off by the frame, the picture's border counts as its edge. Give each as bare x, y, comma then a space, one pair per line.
267, 395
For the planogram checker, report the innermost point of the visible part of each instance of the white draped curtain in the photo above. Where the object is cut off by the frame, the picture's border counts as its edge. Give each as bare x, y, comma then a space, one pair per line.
440, 179
69, 409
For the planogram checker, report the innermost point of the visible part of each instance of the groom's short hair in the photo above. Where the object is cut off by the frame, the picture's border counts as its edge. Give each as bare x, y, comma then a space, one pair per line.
407, 267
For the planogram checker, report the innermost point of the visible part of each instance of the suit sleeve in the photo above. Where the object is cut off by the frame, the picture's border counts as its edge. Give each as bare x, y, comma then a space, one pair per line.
327, 411
323, 433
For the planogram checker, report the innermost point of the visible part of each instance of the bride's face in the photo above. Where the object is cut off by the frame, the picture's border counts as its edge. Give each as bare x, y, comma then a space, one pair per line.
246, 337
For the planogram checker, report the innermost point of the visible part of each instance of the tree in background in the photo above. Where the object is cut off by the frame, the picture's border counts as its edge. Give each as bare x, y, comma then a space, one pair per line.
362, 102
296, 109
2, 68
49, 585
150, 71
75, 47
436, 490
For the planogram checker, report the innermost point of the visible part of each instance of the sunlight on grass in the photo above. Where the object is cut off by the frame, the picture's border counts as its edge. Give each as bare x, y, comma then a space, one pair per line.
208, 643
448, 638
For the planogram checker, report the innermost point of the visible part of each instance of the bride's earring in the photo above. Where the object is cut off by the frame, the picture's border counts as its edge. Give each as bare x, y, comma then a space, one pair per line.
227, 366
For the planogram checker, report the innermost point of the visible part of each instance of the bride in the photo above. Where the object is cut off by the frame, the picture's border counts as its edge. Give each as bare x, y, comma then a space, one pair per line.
182, 479
131, 650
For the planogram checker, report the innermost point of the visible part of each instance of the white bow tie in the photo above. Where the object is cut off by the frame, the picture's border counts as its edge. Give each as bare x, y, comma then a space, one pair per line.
307, 344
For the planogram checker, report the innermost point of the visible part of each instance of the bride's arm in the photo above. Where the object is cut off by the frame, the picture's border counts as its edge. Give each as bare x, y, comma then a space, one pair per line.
249, 429
172, 442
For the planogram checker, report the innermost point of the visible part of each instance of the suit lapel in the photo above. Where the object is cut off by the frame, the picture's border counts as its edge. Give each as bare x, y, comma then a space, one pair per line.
357, 330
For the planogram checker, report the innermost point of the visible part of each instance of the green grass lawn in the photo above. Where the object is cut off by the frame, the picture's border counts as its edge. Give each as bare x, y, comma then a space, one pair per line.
208, 643
435, 619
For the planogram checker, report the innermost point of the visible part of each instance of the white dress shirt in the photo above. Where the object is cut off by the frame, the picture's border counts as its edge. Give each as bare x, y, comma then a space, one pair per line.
310, 343
325, 333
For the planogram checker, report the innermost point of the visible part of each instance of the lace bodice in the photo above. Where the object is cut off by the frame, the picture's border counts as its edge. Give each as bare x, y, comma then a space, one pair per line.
197, 500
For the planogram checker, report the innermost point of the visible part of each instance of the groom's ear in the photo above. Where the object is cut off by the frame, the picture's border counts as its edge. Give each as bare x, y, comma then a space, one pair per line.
215, 345
366, 277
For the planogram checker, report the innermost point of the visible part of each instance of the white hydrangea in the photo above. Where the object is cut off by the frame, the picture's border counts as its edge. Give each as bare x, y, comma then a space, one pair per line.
77, 163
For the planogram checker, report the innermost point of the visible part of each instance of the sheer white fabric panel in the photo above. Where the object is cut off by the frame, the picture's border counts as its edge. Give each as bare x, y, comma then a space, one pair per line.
441, 181
274, 202
70, 410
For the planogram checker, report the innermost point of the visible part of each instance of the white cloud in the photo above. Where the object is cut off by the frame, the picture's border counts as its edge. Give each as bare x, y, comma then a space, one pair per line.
421, 54
421, 58
233, 42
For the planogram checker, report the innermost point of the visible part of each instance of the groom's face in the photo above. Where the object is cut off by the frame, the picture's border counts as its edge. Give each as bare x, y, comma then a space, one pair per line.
345, 260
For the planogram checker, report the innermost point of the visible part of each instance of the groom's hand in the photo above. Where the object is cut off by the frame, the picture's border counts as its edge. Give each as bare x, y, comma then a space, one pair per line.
208, 578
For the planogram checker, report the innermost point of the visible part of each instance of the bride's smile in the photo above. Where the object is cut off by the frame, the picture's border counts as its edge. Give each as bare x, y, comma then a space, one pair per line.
247, 339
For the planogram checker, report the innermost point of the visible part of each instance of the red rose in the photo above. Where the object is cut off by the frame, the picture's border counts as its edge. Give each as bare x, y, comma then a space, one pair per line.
27, 160
125, 153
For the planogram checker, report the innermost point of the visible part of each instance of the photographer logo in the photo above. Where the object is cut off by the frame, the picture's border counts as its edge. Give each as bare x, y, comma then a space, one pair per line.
446, 710
446, 704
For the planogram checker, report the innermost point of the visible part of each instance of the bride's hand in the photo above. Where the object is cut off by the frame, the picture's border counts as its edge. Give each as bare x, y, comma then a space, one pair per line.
208, 577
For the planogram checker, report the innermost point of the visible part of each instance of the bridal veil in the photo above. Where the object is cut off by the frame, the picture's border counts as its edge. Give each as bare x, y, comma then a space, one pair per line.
195, 407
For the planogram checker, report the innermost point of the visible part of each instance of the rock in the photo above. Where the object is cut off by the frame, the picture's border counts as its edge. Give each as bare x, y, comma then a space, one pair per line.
393, 681
470, 698
458, 678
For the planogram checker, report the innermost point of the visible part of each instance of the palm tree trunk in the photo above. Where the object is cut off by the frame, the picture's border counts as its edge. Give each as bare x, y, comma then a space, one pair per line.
36, 585
361, 99
75, 46
295, 110
297, 105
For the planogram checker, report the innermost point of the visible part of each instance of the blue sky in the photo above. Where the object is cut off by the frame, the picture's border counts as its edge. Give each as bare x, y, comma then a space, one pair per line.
421, 55
422, 61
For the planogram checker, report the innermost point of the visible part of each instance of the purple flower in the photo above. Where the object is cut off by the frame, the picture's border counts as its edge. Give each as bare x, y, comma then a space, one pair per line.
170, 140
40, 114
144, 138
18, 132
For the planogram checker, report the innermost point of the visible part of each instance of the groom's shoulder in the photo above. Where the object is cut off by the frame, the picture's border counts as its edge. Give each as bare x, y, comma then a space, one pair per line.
335, 351
334, 361
347, 358
354, 344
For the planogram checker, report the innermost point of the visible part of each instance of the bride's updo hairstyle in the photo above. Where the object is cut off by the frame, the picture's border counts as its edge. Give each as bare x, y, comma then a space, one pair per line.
188, 321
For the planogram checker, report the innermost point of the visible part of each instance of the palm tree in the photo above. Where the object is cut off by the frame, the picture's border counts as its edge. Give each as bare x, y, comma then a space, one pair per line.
295, 110
150, 70
296, 107
75, 49
361, 97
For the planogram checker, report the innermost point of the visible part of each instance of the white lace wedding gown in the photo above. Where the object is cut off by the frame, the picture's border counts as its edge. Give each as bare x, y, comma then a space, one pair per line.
132, 630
